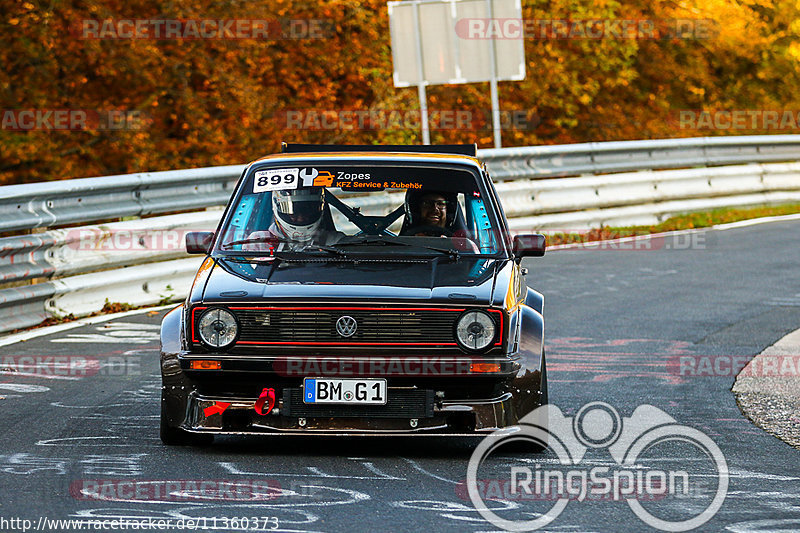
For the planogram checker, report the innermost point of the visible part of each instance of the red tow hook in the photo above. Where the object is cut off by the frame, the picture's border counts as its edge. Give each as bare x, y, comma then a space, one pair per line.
267, 396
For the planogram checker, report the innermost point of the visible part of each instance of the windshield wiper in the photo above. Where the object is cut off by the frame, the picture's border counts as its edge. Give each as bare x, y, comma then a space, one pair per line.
283, 240
246, 260
393, 240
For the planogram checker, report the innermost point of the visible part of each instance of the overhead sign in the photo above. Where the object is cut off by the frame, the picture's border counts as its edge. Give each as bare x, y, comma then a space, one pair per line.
432, 43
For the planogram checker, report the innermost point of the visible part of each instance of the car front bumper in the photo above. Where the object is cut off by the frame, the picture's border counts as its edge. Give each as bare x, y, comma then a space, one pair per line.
450, 418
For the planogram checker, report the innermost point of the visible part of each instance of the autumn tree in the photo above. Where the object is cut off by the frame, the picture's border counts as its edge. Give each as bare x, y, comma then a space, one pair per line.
223, 101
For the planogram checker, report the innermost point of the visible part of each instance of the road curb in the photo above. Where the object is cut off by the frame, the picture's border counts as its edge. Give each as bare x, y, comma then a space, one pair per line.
767, 390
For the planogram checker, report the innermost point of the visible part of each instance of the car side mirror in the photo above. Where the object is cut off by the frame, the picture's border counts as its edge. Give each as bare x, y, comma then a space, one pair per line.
532, 245
198, 242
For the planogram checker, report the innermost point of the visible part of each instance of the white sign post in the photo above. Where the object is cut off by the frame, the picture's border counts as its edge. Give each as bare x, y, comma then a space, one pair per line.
427, 49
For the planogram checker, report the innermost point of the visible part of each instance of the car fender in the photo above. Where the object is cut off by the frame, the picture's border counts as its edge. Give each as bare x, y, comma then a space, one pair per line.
535, 300
171, 330
531, 342
174, 383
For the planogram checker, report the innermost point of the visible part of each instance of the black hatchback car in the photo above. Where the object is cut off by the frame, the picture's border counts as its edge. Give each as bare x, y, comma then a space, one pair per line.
356, 290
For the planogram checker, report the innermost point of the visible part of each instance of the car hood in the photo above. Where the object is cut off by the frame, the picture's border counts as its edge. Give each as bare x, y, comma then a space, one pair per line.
434, 280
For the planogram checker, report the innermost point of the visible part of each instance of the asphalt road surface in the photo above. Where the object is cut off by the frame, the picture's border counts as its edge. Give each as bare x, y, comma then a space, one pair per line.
83, 444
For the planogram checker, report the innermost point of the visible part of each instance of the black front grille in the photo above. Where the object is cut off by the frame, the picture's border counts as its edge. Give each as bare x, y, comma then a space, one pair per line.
277, 325
401, 403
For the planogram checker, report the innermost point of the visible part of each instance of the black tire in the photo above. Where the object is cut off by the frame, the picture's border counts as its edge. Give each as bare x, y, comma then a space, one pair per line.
173, 436
517, 447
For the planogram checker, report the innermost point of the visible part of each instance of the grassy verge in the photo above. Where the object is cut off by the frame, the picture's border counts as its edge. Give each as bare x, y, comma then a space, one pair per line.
680, 222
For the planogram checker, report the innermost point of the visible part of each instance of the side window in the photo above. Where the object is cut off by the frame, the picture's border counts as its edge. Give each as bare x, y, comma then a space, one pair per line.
503, 231
252, 213
480, 226
462, 202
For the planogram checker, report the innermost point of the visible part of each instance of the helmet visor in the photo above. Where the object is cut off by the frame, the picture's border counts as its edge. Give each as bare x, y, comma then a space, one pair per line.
299, 208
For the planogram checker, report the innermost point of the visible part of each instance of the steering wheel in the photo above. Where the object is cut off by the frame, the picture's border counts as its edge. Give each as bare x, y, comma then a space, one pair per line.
429, 230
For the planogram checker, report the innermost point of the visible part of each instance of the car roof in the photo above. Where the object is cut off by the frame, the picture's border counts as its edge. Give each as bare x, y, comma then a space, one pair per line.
393, 154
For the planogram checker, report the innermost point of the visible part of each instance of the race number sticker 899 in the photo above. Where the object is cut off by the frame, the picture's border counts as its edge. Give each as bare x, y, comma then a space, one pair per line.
277, 179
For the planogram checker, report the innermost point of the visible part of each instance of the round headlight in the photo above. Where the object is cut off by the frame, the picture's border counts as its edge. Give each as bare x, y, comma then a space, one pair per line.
475, 330
218, 328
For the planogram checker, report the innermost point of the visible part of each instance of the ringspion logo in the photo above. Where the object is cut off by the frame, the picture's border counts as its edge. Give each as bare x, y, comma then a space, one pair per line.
640, 446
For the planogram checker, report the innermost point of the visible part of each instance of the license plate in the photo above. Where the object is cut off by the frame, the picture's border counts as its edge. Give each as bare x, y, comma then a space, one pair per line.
358, 391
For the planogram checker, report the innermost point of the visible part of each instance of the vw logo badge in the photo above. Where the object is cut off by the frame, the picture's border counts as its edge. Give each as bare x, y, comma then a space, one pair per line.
346, 326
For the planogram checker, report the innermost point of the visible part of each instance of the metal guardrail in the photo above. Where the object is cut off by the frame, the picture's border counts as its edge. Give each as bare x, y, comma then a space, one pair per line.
58, 203
645, 197
621, 156
614, 183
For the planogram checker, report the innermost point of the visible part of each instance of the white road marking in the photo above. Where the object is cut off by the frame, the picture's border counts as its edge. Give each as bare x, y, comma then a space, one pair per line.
115, 464
210, 511
417, 467
448, 509
116, 333
96, 338
49, 330
131, 326
59, 404
372, 468
26, 463
315, 473
36, 375
783, 301
20, 387
760, 475
90, 441
780, 525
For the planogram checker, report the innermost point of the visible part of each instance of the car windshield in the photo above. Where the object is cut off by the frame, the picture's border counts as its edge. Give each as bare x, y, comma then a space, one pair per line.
361, 209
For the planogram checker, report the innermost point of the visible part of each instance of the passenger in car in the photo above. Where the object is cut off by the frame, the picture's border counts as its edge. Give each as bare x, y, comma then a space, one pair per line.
427, 211
433, 210
436, 214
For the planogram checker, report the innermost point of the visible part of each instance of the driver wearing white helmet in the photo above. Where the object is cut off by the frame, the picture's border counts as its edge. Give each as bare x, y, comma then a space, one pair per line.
298, 213
300, 218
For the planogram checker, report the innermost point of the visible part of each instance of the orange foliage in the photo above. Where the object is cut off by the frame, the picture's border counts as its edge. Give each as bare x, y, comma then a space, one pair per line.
213, 102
